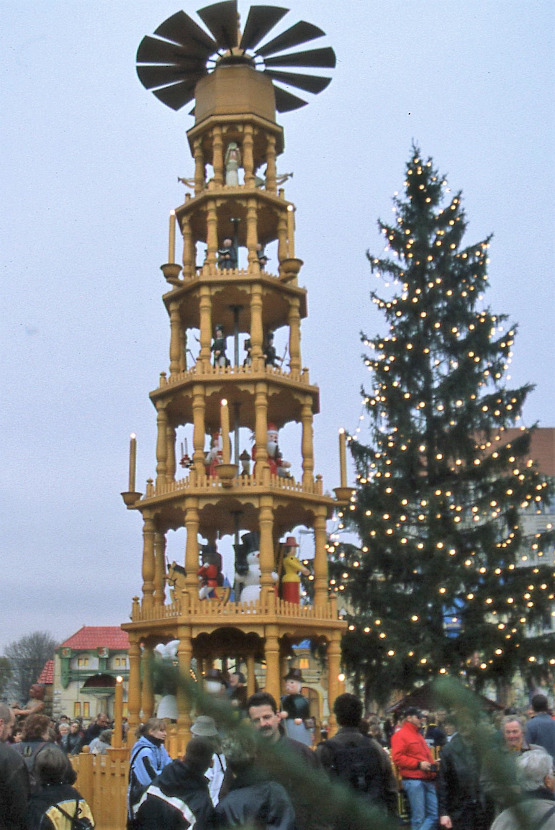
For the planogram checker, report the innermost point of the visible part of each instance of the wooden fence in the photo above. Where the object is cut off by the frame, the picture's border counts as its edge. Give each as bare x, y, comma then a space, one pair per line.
102, 781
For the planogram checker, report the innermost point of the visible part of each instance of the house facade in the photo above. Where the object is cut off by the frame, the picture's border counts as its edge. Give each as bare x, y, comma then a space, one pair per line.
86, 666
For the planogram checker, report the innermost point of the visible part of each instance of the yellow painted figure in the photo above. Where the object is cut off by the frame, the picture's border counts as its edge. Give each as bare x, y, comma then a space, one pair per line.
292, 568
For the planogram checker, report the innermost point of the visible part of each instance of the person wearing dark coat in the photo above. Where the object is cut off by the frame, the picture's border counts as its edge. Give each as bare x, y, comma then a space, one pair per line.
382, 787
289, 762
14, 778
540, 729
55, 799
36, 737
460, 798
536, 806
94, 729
73, 741
252, 799
178, 798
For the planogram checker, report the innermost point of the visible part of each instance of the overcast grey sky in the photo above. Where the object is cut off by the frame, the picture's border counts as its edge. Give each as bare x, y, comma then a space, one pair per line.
89, 172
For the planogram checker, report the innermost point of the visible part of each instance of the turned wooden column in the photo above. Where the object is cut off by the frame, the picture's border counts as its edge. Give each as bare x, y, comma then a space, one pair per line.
252, 233
159, 568
175, 339
218, 156
271, 652
147, 692
188, 253
211, 235
184, 656
191, 547
199, 429
334, 668
205, 309
200, 174
266, 524
307, 445
261, 429
251, 680
257, 330
171, 465
294, 336
148, 560
183, 347
133, 687
248, 159
283, 250
320, 558
161, 446
271, 172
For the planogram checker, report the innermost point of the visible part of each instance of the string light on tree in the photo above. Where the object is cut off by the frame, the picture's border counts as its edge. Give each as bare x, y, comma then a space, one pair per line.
438, 524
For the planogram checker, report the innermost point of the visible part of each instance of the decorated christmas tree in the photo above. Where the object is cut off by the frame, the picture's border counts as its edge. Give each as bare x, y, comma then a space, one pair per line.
437, 584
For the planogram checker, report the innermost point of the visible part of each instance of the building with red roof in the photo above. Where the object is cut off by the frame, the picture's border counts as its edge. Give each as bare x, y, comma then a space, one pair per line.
46, 677
86, 666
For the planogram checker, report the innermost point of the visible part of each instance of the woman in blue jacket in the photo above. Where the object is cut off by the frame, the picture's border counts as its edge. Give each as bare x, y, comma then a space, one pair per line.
148, 759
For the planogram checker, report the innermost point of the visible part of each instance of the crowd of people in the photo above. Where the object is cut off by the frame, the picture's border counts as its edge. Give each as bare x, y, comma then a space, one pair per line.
460, 772
455, 771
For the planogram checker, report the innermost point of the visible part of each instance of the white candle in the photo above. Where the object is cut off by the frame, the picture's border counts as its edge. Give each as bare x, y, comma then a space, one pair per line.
132, 462
225, 431
291, 229
342, 458
171, 252
118, 712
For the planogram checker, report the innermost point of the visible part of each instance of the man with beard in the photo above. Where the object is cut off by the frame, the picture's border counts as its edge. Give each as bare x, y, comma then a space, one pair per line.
286, 761
278, 467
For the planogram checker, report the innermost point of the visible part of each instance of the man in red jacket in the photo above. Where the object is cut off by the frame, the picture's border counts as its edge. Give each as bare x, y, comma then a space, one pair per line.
415, 763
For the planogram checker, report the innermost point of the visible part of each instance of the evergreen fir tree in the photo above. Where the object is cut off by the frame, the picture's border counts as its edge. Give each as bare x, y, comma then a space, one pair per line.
436, 586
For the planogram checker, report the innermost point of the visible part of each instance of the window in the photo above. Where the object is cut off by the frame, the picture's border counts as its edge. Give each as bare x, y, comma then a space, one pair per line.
77, 709
82, 662
86, 709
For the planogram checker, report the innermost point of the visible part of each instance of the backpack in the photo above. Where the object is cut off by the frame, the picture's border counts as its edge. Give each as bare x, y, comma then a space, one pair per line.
77, 821
358, 766
136, 789
29, 751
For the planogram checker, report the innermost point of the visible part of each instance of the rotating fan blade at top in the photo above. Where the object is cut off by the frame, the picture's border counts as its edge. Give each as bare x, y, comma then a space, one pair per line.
311, 83
178, 95
286, 101
153, 76
176, 63
301, 32
181, 29
152, 50
310, 57
222, 20
179, 53
259, 22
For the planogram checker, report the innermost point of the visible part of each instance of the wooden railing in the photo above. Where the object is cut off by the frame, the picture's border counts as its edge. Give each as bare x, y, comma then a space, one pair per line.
206, 608
197, 481
223, 371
